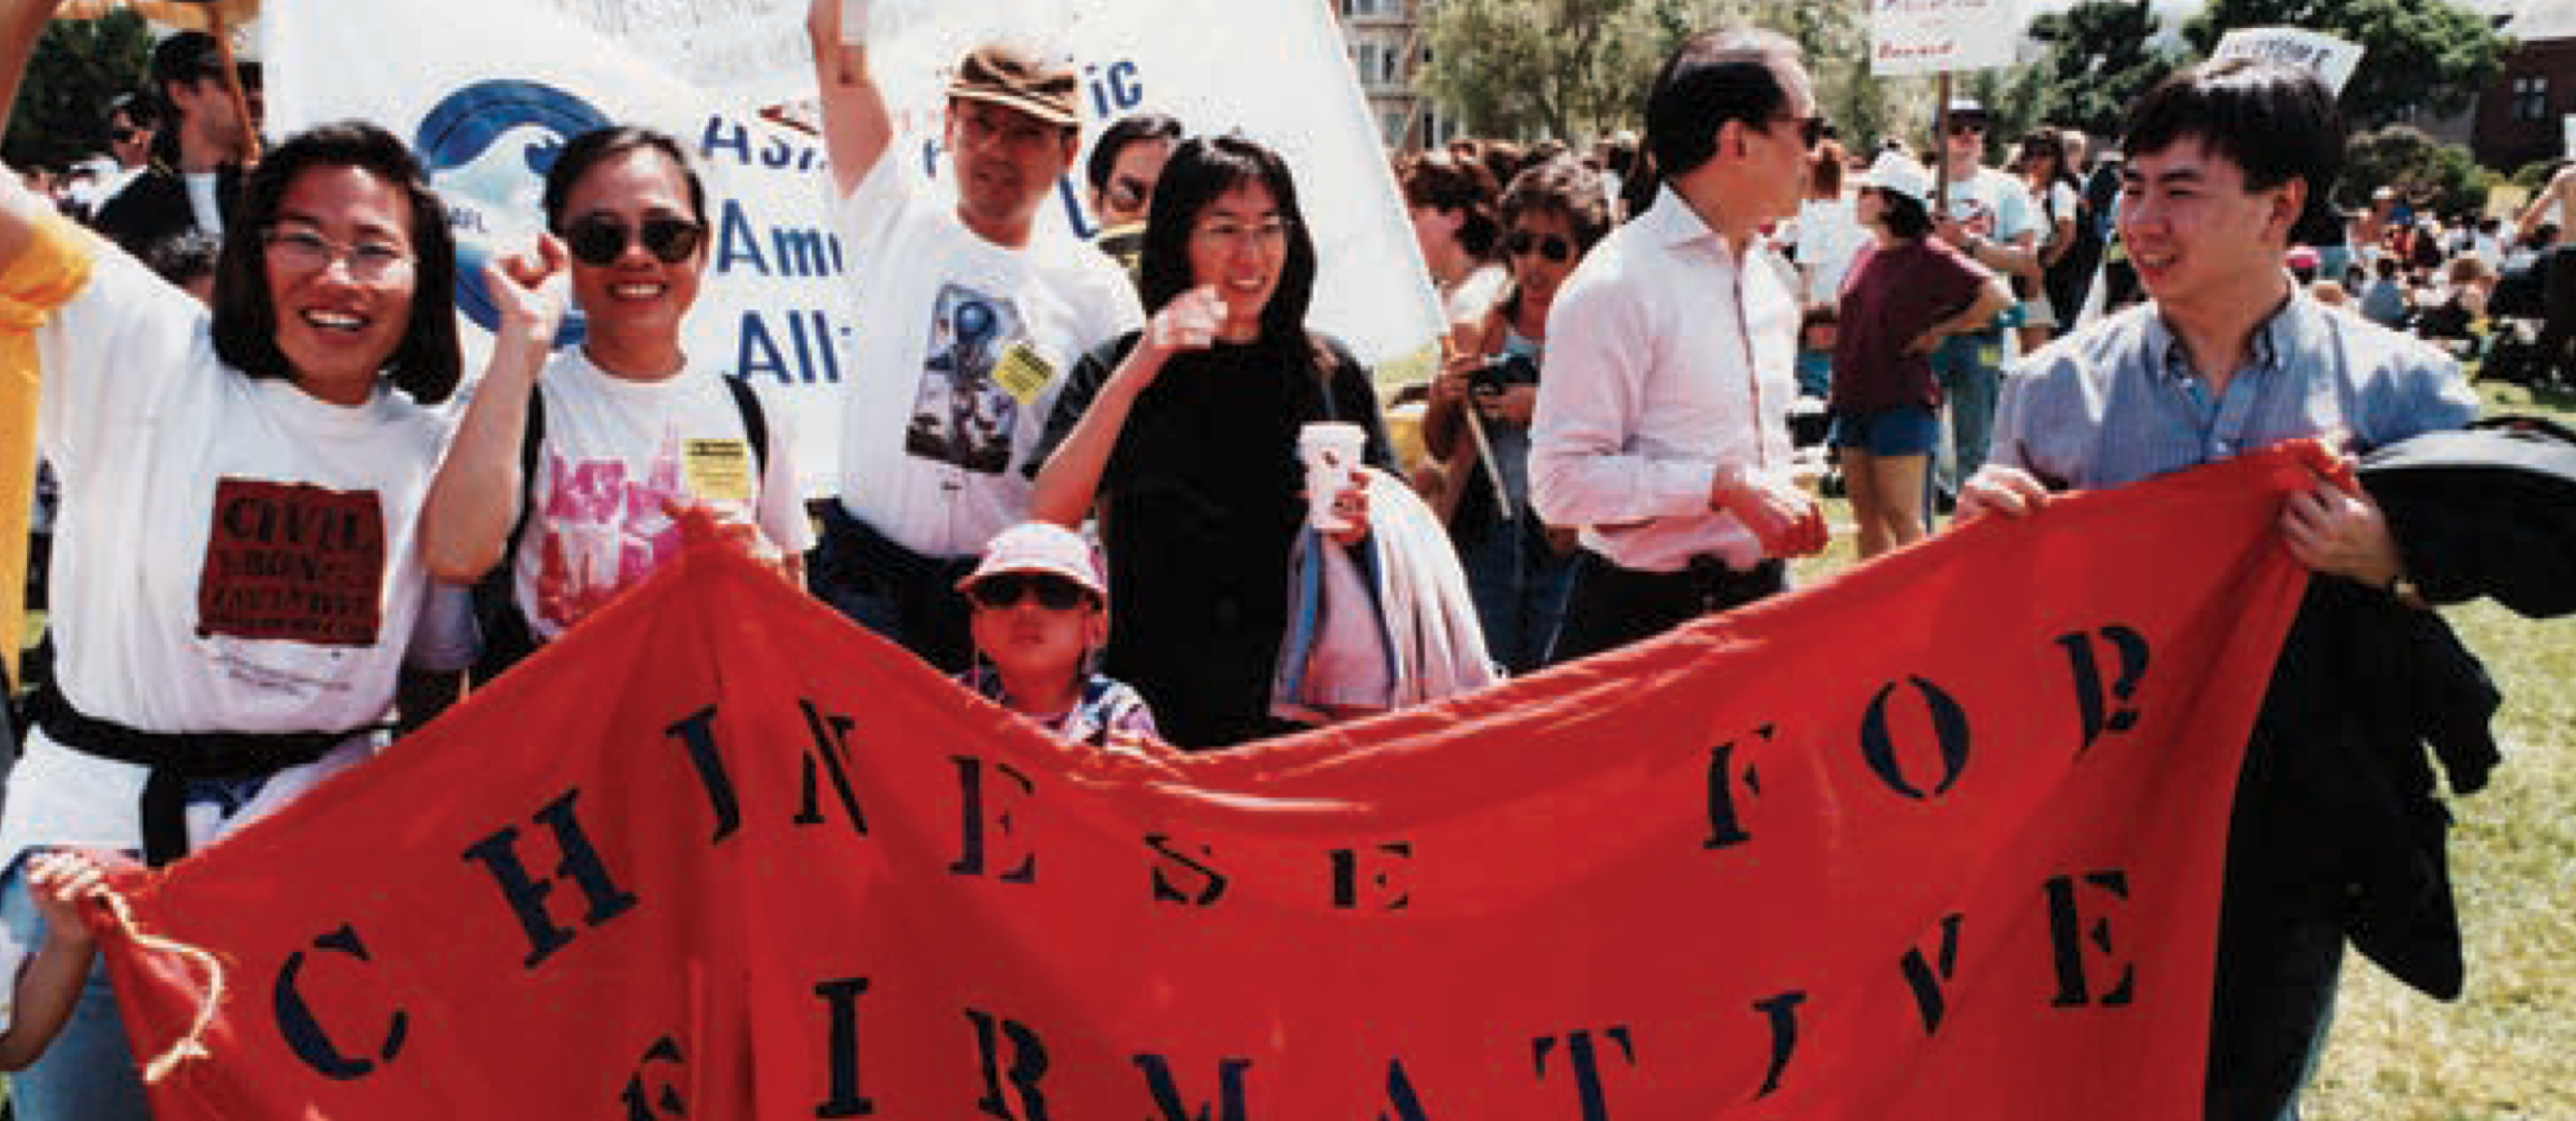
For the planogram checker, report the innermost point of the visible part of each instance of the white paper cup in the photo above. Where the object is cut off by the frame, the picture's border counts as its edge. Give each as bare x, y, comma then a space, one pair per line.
1331, 452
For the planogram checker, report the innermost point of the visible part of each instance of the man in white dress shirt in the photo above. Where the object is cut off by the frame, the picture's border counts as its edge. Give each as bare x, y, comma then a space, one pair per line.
1661, 425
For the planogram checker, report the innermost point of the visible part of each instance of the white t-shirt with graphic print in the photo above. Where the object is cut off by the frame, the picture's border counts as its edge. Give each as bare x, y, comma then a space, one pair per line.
232, 554
615, 451
963, 346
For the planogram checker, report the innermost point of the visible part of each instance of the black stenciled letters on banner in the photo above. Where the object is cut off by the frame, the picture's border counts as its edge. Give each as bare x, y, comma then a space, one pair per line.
1026, 1067
643, 1101
499, 854
1584, 1060
1014, 1057
1167, 1090
844, 1100
303, 1030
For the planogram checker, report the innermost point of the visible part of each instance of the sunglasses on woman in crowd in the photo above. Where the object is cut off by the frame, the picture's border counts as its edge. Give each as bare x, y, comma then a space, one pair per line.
599, 240
1522, 243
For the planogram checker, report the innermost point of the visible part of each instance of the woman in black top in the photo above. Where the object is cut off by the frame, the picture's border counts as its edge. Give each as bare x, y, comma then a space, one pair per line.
1185, 434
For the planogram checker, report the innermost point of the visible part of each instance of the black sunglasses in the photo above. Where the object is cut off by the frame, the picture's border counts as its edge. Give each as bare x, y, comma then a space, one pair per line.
121, 134
1006, 589
1811, 130
1961, 126
1552, 247
599, 240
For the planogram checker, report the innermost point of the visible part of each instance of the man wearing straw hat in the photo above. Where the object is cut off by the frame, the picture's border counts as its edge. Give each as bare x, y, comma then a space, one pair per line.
972, 316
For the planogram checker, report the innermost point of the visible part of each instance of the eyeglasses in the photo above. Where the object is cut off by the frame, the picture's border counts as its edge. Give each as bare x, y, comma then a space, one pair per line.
1269, 234
1521, 243
598, 240
1006, 589
1811, 130
307, 251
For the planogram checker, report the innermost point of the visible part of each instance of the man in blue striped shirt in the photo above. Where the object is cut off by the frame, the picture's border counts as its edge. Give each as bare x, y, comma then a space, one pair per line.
2229, 355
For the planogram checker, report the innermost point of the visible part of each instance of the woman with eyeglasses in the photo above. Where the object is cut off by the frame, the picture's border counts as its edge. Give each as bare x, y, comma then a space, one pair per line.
1517, 566
1186, 435
570, 465
236, 577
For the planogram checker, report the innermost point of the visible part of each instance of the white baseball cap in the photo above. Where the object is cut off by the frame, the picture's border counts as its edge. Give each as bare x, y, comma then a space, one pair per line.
1893, 171
1040, 547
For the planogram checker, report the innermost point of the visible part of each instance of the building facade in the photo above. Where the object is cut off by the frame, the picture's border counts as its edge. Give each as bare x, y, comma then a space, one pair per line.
1390, 43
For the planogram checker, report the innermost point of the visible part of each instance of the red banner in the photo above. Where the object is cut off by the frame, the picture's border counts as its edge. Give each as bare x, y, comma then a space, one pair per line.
1940, 838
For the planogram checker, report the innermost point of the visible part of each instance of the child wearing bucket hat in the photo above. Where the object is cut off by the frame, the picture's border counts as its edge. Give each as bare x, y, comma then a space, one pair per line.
1038, 615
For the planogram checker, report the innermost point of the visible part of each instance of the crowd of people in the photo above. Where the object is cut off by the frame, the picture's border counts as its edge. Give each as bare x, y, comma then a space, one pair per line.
1071, 475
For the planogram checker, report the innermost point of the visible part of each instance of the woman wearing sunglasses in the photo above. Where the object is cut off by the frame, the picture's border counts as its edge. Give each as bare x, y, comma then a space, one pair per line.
1186, 433
1517, 568
563, 483
1039, 613
236, 579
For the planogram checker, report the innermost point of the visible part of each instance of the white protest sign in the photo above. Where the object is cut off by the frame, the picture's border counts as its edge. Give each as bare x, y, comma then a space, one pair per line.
1940, 36
2332, 60
752, 52
487, 91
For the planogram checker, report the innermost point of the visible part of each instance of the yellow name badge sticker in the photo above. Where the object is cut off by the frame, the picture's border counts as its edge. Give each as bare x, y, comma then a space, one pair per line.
1990, 356
1022, 374
717, 470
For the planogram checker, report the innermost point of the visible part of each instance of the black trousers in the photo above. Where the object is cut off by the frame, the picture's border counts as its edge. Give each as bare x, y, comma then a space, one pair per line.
1609, 607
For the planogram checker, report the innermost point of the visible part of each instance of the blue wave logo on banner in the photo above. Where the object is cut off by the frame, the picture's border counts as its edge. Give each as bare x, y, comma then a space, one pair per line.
488, 147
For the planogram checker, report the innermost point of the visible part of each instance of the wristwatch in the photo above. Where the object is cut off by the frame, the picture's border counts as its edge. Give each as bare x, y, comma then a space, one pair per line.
2403, 589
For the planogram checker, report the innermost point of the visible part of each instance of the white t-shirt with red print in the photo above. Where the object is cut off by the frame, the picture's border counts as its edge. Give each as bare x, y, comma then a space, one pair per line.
616, 451
232, 554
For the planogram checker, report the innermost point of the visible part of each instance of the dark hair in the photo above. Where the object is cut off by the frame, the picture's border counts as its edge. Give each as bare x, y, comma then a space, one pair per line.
1201, 170
1122, 132
2047, 142
1444, 181
426, 364
1825, 171
600, 145
183, 256
139, 107
1560, 186
1712, 78
2275, 123
1904, 215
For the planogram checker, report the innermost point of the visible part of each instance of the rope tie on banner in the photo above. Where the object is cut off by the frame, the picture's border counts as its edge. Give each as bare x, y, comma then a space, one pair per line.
191, 1045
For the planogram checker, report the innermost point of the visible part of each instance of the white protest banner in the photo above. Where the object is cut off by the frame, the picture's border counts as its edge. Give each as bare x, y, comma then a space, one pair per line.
487, 91
2332, 60
1941, 36
753, 52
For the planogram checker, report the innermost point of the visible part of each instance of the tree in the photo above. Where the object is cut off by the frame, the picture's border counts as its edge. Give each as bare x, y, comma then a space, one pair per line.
2433, 175
2098, 56
77, 67
1526, 68
2419, 55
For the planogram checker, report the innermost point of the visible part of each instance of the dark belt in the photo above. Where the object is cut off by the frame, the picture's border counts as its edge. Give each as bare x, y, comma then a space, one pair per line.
177, 758
860, 557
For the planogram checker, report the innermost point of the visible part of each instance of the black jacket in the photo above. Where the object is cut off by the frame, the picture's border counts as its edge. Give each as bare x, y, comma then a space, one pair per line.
2338, 802
154, 207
